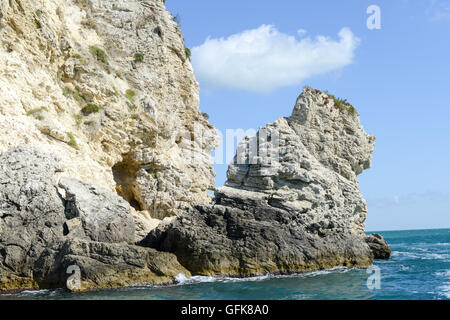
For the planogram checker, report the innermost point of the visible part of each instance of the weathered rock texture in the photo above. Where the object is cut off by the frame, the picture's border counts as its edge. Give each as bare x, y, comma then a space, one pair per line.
43, 231
292, 206
107, 86
378, 246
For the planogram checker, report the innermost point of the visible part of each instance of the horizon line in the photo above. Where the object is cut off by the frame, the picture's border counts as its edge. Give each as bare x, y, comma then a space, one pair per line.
448, 228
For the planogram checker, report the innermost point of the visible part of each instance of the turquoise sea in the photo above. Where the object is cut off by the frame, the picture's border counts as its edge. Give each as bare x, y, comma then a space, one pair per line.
419, 269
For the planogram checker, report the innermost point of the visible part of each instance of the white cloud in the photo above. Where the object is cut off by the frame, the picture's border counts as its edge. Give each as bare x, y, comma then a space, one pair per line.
302, 32
410, 198
439, 10
264, 59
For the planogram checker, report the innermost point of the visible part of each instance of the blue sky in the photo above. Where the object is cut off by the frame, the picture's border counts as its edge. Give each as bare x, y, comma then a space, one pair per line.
398, 78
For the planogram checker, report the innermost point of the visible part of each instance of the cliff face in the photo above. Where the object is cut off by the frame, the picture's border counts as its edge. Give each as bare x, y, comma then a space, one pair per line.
107, 86
105, 90
291, 202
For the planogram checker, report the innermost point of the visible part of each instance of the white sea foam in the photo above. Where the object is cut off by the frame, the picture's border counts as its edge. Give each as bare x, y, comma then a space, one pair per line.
405, 254
445, 273
28, 293
445, 290
404, 268
421, 255
181, 279
436, 256
34, 292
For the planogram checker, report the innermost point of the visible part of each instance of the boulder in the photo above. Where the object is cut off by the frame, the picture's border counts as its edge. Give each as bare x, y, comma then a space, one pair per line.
379, 246
105, 265
103, 215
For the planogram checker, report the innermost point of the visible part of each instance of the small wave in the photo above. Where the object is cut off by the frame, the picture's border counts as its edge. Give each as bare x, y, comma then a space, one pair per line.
181, 279
27, 293
34, 292
404, 268
405, 254
420, 255
435, 256
445, 290
445, 273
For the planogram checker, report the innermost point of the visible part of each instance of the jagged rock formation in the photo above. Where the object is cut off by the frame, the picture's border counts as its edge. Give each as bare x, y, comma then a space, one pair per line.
43, 231
336, 139
287, 206
107, 86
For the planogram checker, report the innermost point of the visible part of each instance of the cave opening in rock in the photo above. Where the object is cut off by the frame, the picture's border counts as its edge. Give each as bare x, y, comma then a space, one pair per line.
124, 173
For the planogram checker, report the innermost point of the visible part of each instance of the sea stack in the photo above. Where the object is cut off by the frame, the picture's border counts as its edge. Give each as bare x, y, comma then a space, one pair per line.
291, 202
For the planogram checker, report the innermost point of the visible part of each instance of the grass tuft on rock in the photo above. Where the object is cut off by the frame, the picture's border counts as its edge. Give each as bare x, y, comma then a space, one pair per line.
68, 92
90, 108
72, 142
33, 111
188, 53
131, 106
139, 57
130, 94
343, 105
98, 53
351, 110
36, 113
80, 58
78, 118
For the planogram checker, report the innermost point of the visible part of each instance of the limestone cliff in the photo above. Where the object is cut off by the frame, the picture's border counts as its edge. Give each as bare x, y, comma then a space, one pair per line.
105, 90
108, 87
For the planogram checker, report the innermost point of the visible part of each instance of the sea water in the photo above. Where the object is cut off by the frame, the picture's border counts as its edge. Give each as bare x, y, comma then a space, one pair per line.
419, 269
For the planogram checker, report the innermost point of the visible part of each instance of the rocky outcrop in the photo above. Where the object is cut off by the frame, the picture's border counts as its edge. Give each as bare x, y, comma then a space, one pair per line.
44, 231
379, 246
286, 207
96, 214
105, 265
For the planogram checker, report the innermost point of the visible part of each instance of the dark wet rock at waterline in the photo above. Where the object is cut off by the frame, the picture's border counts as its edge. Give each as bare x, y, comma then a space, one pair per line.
44, 230
379, 246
